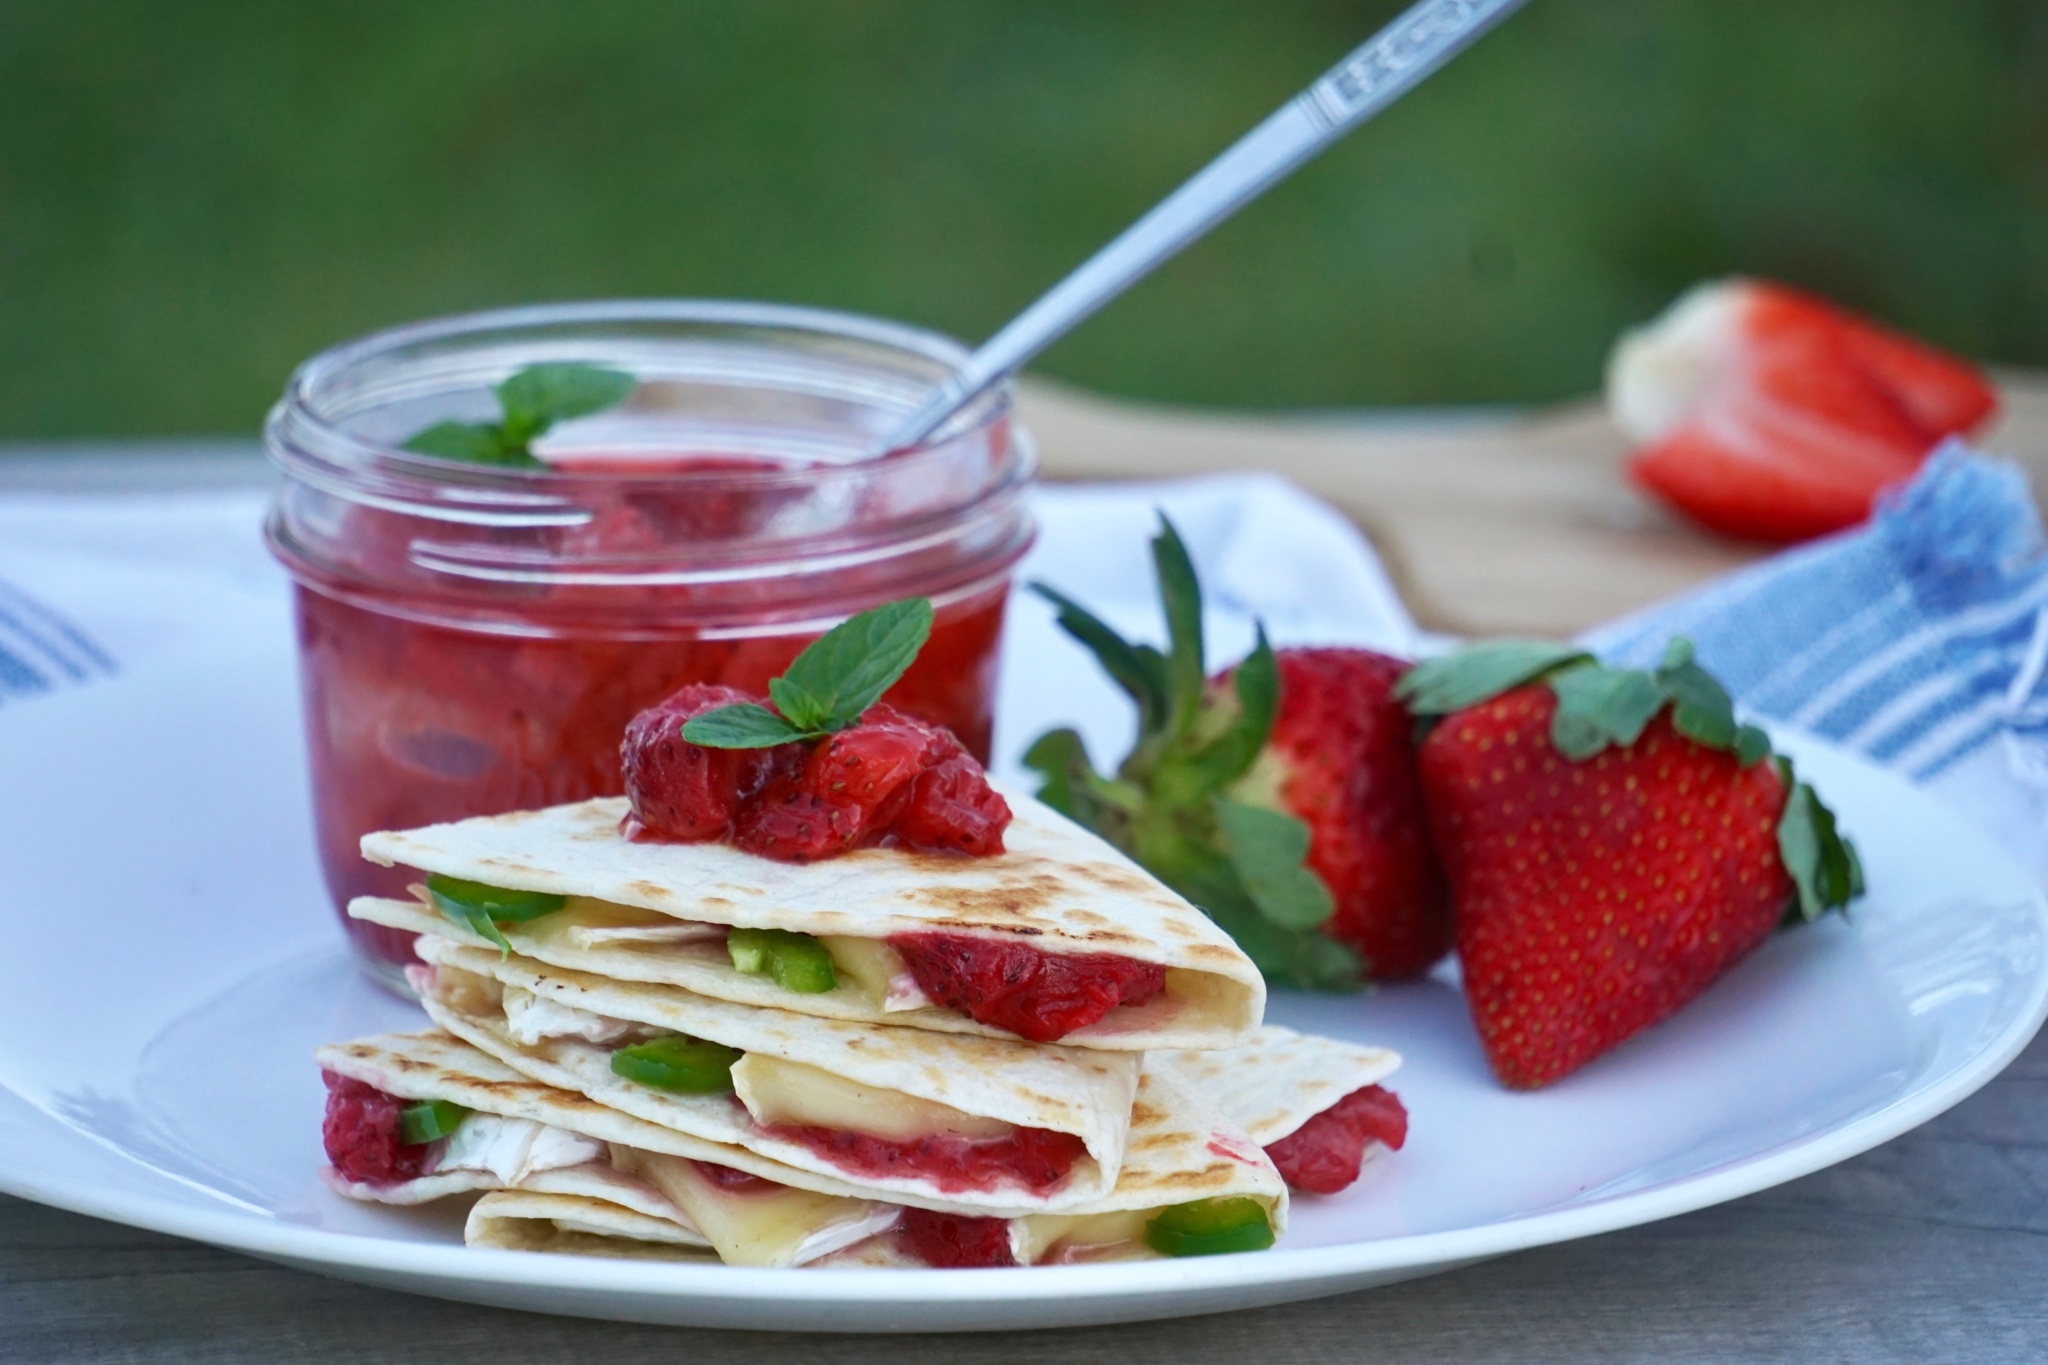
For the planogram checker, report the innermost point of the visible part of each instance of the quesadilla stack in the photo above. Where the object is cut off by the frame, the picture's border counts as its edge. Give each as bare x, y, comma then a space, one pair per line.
887, 1058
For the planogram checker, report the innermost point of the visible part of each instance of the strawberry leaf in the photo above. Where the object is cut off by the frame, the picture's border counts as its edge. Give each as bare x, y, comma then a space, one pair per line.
1181, 594
1222, 760
1070, 784
1823, 864
848, 668
1437, 687
1138, 669
1285, 957
1598, 706
743, 725
1268, 850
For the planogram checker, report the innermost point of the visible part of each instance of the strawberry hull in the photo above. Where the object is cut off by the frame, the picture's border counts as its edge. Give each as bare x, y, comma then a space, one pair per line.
1595, 898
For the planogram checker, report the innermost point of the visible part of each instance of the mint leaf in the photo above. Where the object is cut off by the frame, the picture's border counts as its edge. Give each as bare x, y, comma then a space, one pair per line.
1138, 669
848, 668
1267, 849
1180, 593
743, 725
1437, 687
797, 705
476, 443
532, 400
1599, 706
539, 396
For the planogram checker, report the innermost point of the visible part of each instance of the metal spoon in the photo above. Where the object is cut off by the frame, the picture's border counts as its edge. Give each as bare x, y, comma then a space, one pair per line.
1395, 61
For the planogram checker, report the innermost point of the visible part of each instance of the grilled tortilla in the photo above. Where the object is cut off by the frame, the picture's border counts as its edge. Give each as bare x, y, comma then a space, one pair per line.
1179, 1152
1280, 1079
900, 1078
652, 912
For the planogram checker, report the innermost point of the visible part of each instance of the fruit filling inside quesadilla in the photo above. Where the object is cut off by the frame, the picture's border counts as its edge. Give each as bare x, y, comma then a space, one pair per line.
1012, 986
373, 1138
1325, 1154
863, 1130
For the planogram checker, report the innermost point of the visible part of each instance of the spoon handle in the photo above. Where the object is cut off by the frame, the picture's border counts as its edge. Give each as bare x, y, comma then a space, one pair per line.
1393, 62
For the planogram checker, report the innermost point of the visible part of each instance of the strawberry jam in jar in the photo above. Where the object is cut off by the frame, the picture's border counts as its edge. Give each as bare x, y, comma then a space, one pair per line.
477, 626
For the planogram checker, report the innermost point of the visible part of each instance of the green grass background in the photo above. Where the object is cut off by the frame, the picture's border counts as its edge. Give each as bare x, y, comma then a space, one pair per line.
196, 195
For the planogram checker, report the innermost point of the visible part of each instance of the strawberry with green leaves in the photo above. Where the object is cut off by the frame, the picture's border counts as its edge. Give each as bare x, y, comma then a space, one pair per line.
1279, 796
1615, 841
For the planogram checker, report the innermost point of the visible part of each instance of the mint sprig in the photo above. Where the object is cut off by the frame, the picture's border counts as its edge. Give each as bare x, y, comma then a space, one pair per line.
1170, 802
838, 677
1599, 707
533, 400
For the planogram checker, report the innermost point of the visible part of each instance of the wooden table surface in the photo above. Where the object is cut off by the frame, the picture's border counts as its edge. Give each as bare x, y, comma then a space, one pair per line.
1934, 1246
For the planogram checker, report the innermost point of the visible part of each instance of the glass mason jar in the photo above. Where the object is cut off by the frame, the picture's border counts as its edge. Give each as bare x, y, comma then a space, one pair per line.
473, 638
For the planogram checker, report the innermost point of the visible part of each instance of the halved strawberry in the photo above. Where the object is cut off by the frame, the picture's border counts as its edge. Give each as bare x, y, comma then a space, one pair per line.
1769, 413
1615, 842
1280, 797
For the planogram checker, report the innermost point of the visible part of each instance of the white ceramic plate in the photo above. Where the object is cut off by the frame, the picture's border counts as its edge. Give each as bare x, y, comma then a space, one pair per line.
169, 964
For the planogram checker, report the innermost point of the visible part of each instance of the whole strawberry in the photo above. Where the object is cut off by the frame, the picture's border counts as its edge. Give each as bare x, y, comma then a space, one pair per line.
1280, 796
1615, 841
1341, 760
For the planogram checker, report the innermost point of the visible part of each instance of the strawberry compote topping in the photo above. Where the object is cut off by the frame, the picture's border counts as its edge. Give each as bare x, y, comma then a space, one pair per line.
954, 1241
361, 1134
682, 788
1034, 1159
739, 1182
1324, 1154
889, 779
1035, 995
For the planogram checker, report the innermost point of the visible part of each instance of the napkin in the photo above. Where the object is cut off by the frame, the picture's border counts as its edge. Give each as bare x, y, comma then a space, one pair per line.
1919, 639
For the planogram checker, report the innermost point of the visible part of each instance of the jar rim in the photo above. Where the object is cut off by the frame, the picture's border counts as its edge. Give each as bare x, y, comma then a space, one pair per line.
298, 417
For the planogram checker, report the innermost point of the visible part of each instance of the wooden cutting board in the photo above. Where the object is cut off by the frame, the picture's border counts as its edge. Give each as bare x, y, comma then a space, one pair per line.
1517, 524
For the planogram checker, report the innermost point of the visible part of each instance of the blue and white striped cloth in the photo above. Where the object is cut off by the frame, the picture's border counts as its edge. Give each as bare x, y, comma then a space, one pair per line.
1919, 639
41, 650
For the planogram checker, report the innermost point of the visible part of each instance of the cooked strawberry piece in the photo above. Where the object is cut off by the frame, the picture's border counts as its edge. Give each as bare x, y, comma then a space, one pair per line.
681, 790
360, 1131
1036, 995
1324, 1155
791, 825
868, 769
1033, 1159
1341, 759
726, 1178
952, 809
955, 1241
1769, 413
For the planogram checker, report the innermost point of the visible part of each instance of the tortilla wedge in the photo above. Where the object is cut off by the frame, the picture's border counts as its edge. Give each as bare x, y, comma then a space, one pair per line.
1003, 1081
1057, 889
1178, 1153
1280, 1079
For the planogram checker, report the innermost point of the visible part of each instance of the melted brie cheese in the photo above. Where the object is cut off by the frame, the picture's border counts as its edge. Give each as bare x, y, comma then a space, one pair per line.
533, 1019
586, 922
772, 1226
878, 971
1060, 1238
777, 1091
513, 1149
